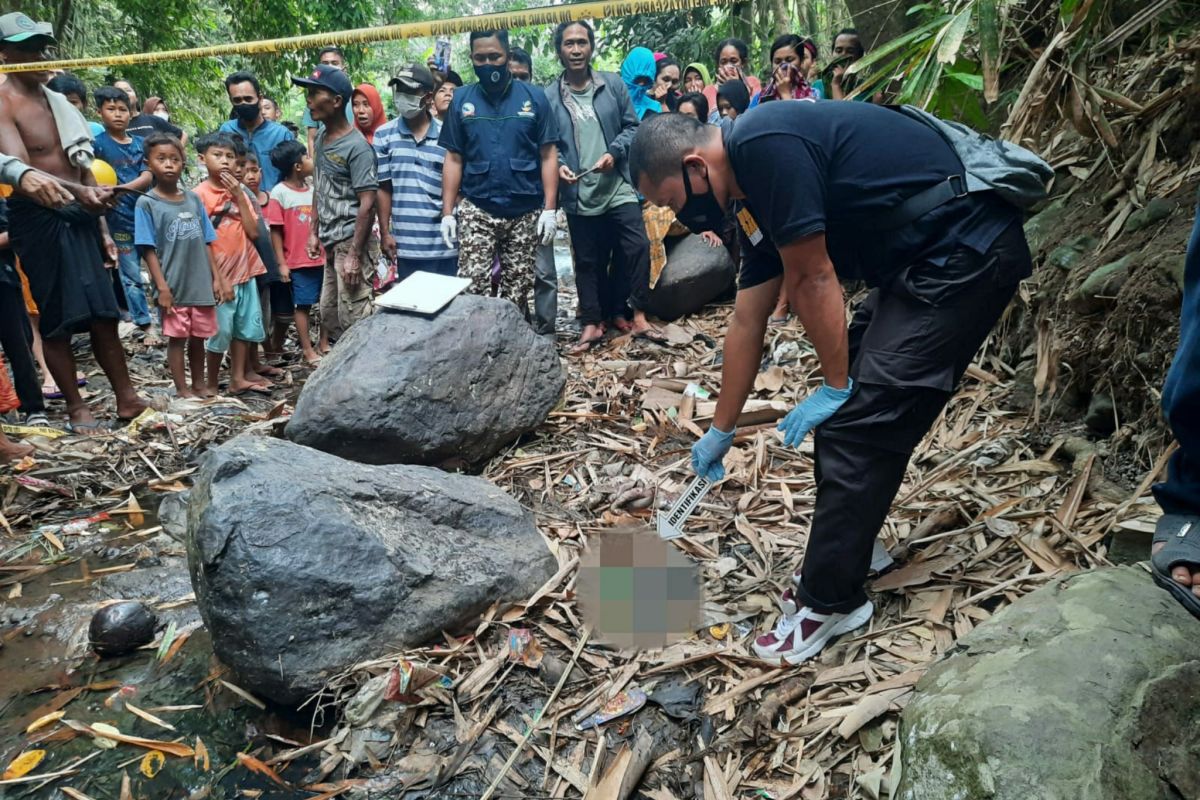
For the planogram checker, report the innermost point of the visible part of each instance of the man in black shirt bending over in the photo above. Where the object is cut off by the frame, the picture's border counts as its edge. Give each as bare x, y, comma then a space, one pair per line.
820, 190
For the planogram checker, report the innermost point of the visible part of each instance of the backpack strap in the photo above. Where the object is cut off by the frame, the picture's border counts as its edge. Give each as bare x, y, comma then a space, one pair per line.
921, 203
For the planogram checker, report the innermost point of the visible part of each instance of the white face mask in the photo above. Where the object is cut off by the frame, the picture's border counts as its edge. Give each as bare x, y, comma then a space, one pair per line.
407, 106
162, 113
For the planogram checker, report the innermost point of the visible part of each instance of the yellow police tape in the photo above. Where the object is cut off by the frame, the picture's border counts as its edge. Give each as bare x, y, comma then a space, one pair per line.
545, 15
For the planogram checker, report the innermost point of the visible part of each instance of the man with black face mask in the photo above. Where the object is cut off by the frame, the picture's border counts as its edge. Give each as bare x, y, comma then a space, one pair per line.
501, 145
248, 123
850, 191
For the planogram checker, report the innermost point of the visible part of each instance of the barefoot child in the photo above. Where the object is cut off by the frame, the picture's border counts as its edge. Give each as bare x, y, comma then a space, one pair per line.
239, 321
172, 234
290, 214
274, 295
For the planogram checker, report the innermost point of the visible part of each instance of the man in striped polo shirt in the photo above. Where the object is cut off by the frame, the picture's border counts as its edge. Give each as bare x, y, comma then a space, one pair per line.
410, 178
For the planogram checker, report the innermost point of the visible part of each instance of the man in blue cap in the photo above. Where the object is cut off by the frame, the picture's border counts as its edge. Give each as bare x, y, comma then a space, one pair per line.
501, 145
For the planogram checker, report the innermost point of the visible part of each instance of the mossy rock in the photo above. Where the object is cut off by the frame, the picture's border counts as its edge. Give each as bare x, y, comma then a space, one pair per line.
1102, 283
1086, 689
1068, 255
1042, 229
1156, 210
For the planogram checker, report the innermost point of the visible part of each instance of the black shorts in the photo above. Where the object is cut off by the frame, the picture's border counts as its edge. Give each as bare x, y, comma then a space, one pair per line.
60, 254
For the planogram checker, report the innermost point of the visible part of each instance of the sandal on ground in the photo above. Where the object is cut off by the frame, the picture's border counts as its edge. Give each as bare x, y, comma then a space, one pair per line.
93, 428
1181, 535
37, 420
653, 335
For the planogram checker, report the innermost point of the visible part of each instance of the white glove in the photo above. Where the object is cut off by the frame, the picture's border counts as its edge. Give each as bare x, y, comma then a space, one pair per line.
449, 230
547, 226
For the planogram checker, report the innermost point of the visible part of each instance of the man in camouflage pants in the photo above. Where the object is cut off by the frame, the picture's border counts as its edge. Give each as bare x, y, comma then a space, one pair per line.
515, 241
501, 145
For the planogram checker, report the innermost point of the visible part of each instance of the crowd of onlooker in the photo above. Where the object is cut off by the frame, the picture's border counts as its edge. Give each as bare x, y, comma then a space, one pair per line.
287, 225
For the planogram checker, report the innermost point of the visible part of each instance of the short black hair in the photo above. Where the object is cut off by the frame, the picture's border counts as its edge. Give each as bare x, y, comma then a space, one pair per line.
68, 83
453, 77
239, 146
698, 100
331, 48
862, 51
291, 126
251, 155
736, 44
501, 35
241, 76
106, 94
661, 142
160, 139
560, 32
217, 139
286, 155
519, 55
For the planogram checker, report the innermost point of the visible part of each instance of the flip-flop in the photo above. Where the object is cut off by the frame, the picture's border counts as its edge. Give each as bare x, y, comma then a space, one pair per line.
252, 390
37, 420
583, 346
777, 321
653, 336
1181, 535
88, 428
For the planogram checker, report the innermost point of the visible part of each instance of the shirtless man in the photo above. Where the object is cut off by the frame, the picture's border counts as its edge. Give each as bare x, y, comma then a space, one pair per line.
64, 251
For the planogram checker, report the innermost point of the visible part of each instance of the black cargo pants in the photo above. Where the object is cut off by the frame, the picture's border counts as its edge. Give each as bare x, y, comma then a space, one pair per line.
910, 343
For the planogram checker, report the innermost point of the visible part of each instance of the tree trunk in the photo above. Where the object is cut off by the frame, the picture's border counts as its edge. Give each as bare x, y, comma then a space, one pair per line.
783, 20
879, 21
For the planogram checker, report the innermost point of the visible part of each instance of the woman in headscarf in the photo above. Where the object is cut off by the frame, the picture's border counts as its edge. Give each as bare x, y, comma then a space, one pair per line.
368, 110
733, 98
638, 71
695, 78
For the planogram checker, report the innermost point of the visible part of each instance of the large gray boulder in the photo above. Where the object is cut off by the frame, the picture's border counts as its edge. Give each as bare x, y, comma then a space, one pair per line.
304, 564
695, 275
457, 387
1086, 689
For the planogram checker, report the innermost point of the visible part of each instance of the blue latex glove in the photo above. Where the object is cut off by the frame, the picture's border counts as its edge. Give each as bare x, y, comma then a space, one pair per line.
709, 452
816, 408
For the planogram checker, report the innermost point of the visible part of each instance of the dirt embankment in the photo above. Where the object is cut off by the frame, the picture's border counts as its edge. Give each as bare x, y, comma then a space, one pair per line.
1095, 336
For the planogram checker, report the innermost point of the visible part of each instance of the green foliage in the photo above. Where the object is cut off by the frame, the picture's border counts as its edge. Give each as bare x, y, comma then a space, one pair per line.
945, 63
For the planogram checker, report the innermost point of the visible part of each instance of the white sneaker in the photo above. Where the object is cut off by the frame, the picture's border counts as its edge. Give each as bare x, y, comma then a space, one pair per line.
802, 633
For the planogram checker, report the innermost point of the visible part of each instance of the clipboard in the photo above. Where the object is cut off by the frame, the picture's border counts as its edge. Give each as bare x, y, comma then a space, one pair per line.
423, 293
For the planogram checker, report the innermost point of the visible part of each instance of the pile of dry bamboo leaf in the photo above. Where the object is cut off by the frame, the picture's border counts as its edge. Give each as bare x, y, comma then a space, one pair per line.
980, 520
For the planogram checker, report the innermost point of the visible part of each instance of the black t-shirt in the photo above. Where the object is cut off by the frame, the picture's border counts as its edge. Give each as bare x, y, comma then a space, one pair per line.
145, 124
830, 166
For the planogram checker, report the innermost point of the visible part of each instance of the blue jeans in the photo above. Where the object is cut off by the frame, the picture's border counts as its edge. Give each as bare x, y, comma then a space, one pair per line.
1180, 492
442, 266
131, 278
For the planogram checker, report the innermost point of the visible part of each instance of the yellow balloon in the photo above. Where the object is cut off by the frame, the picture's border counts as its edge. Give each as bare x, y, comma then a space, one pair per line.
5, 190
104, 173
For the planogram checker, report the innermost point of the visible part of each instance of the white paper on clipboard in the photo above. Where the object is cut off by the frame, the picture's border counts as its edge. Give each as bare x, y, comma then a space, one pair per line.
423, 293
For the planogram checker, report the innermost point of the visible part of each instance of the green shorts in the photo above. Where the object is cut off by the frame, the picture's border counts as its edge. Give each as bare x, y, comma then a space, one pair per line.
240, 318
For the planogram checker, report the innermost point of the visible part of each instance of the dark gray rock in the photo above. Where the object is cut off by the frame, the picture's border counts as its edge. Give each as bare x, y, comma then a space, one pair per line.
305, 564
1101, 414
409, 389
1087, 688
172, 514
120, 628
695, 275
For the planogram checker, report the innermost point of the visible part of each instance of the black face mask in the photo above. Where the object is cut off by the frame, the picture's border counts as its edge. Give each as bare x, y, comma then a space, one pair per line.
247, 112
700, 212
